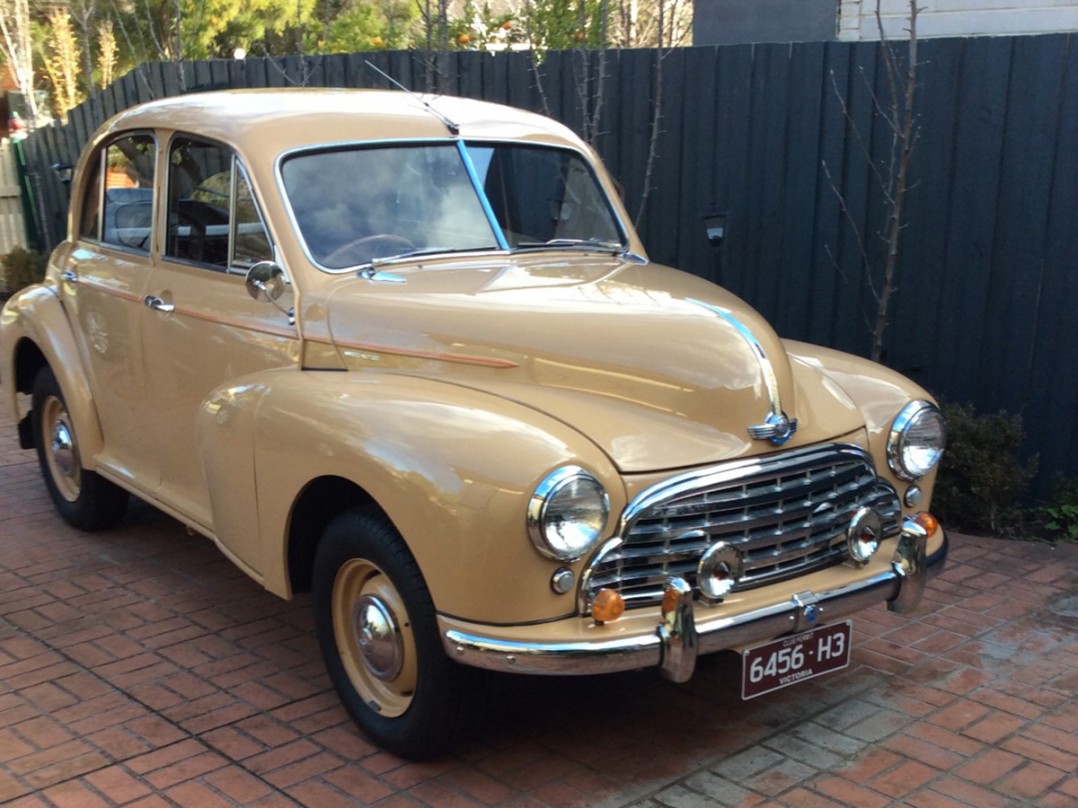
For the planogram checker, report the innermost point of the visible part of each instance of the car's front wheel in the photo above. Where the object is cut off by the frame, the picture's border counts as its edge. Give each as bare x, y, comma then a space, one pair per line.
375, 623
84, 499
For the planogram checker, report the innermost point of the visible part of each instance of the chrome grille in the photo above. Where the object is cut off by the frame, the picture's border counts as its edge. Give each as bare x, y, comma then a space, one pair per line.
786, 514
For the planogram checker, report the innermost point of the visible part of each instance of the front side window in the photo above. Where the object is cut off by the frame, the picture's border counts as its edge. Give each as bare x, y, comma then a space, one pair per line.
212, 216
118, 204
250, 243
361, 204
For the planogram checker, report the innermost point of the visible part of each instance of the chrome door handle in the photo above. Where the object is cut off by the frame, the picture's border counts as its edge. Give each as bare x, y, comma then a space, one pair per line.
70, 275
157, 304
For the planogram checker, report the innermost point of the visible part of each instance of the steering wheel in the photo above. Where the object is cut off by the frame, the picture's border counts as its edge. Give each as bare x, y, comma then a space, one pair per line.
363, 250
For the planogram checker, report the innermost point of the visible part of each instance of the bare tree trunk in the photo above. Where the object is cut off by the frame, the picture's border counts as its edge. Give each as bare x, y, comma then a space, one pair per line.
891, 175
15, 26
656, 120
83, 14
902, 123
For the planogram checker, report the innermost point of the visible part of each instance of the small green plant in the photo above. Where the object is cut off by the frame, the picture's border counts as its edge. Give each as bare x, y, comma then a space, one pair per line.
20, 268
983, 475
1061, 513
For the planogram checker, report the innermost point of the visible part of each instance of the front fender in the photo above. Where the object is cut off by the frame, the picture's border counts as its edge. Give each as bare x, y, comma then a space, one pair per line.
35, 317
453, 468
879, 393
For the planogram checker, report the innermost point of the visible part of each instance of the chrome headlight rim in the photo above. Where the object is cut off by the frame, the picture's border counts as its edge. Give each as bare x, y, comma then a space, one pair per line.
539, 512
907, 417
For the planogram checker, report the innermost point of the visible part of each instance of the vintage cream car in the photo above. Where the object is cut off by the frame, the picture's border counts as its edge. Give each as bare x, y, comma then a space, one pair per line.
409, 355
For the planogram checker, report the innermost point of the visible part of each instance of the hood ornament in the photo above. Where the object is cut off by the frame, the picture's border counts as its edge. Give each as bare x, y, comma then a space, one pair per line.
777, 427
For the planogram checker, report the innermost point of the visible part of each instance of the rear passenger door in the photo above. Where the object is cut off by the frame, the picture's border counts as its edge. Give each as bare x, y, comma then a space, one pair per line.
105, 274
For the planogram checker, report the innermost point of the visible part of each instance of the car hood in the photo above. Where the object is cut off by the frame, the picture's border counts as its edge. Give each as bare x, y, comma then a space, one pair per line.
659, 368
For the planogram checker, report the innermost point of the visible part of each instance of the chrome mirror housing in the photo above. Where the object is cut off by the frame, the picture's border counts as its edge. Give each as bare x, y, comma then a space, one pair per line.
266, 281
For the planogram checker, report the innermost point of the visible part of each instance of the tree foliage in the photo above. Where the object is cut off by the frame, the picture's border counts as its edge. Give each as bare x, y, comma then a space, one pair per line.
103, 39
61, 60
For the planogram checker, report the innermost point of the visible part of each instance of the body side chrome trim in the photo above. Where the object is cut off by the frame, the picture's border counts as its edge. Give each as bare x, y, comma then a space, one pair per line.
416, 354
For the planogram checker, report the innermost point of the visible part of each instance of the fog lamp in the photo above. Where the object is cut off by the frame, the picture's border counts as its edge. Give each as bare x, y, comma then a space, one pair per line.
719, 570
607, 606
863, 535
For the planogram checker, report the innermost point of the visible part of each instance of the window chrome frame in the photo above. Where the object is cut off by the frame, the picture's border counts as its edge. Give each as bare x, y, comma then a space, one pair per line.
102, 151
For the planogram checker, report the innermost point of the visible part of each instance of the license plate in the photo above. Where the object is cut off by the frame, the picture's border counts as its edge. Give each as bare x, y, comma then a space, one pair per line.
781, 663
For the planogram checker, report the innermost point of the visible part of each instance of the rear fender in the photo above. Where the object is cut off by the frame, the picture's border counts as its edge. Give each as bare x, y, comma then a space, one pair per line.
34, 322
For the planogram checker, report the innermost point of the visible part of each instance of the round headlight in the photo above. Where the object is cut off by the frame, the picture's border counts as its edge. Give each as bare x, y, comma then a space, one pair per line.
567, 514
916, 442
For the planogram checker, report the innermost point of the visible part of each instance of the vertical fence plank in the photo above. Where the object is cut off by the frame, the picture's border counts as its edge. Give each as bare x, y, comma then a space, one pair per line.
634, 126
521, 91
1054, 381
663, 213
797, 214
913, 332
760, 270
1018, 248
730, 147
334, 70
830, 219
694, 252
496, 88
606, 138
170, 79
986, 66
470, 75
849, 326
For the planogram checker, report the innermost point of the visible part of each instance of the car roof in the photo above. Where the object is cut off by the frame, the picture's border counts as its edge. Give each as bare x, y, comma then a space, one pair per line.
283, 119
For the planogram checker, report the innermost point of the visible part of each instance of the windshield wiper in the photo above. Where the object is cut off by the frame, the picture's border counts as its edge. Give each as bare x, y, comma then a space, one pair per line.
380, 260
573, 244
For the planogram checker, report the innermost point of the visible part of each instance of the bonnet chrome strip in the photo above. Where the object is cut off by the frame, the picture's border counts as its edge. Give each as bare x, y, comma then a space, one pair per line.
777, 428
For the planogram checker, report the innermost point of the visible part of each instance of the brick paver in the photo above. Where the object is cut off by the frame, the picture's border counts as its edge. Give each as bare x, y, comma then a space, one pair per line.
139, 667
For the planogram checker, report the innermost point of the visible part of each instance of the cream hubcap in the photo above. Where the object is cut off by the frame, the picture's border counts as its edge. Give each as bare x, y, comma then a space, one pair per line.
374, 637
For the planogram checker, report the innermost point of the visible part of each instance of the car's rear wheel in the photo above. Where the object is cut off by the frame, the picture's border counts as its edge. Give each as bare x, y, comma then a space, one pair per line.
84, 499
379, 637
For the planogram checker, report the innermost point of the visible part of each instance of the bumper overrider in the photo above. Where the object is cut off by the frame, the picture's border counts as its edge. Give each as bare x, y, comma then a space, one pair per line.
678, 638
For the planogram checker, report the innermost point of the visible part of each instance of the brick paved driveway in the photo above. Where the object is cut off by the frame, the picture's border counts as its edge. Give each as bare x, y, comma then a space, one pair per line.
137, 667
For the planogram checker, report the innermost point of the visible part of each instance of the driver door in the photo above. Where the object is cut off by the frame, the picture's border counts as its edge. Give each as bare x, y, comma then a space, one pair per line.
207, 339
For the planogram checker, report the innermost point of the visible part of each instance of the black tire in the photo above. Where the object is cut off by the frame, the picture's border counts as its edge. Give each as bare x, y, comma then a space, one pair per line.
84, 499
402, 691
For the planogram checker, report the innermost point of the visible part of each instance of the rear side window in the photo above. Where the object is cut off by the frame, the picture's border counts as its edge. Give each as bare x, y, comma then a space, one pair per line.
117, 207
212, 216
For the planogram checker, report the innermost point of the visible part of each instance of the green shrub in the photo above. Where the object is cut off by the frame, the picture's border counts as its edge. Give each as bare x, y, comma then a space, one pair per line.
20, 268
1061, 513
982, 475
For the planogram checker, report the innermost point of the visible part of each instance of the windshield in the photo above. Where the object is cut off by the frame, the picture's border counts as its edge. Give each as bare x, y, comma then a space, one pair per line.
357, 205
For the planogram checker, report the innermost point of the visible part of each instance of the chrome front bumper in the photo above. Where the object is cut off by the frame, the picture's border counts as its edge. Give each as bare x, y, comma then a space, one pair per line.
678, 639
